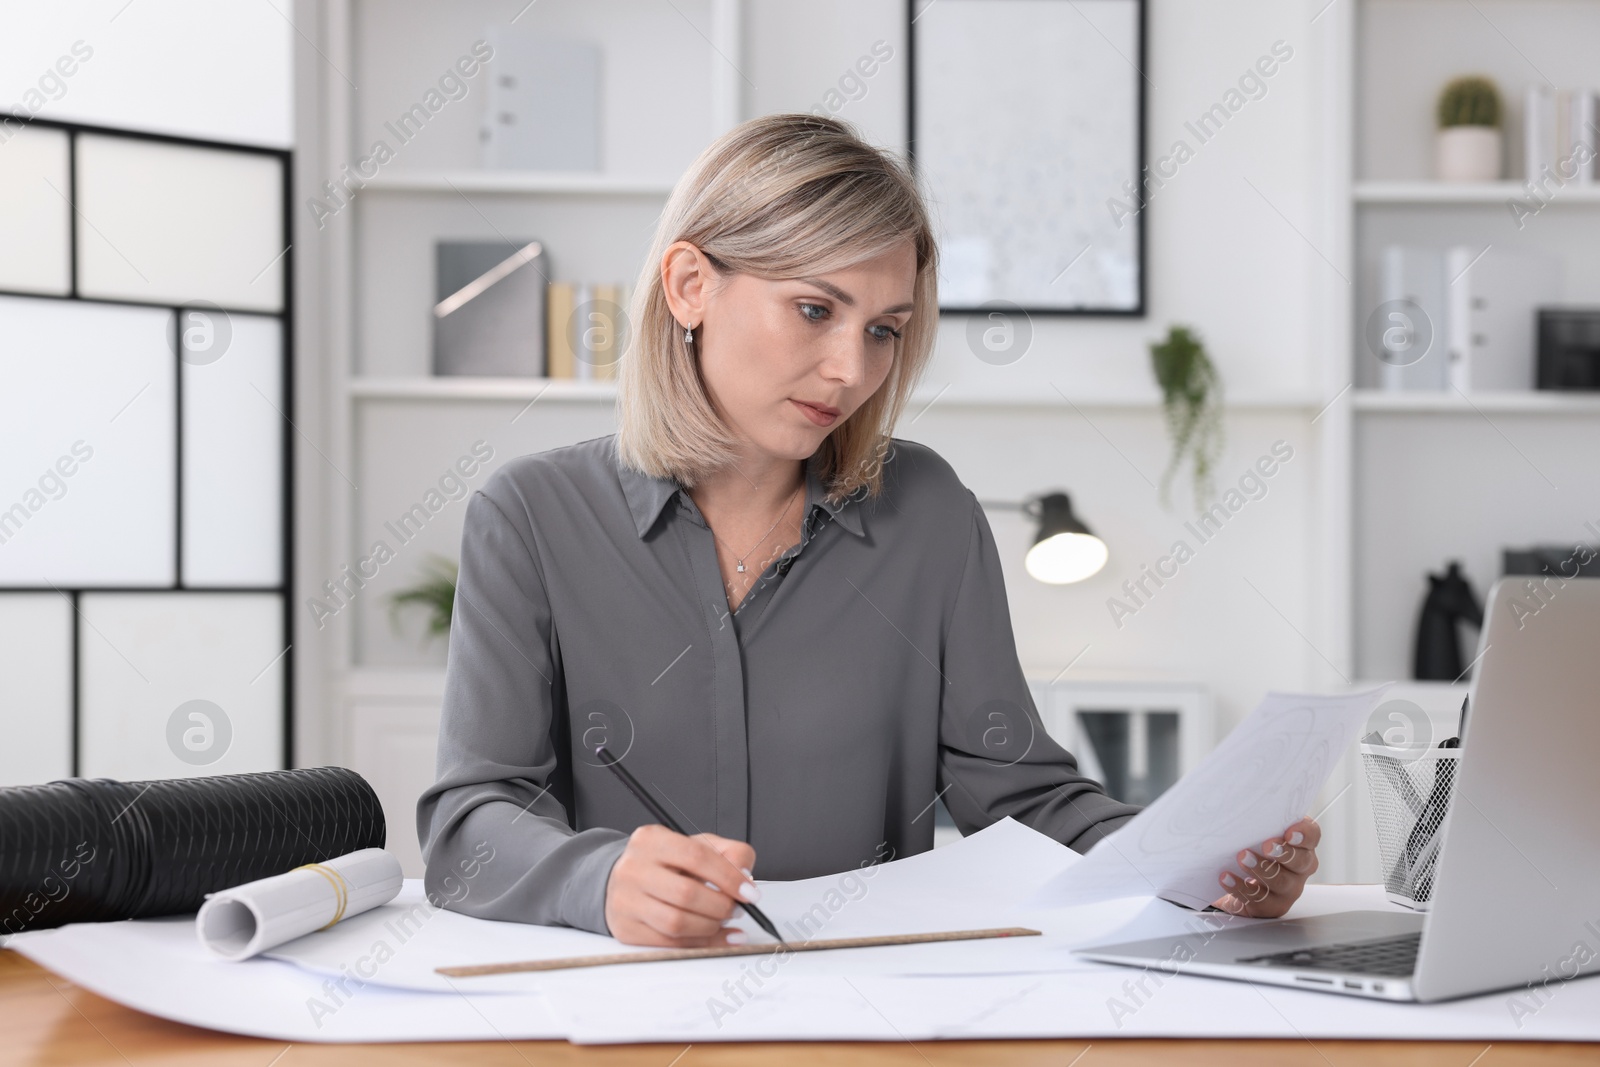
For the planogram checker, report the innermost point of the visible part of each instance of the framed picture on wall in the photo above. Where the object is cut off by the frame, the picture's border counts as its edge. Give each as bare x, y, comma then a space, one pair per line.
1027, 136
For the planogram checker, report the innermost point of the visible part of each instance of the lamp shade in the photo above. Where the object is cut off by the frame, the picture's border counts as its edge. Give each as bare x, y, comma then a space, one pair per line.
1065, 550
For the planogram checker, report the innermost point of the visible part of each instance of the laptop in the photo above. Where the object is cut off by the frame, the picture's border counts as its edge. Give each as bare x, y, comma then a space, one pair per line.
1516, 894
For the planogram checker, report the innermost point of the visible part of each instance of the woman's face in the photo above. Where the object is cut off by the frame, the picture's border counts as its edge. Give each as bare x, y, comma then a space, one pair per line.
787, 362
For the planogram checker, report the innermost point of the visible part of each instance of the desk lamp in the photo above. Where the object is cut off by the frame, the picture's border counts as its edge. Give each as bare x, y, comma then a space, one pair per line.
1065, 550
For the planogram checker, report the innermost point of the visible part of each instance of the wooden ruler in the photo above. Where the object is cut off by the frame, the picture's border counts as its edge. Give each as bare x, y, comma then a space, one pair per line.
658, 955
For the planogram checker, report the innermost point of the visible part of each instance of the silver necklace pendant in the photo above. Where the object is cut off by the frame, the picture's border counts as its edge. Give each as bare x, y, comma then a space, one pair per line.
740, 568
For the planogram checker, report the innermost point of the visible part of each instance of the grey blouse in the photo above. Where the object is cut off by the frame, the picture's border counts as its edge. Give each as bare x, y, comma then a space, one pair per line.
871, 669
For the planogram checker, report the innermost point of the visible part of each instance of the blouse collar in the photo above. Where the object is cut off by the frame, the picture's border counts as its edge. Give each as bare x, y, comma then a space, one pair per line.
647, 496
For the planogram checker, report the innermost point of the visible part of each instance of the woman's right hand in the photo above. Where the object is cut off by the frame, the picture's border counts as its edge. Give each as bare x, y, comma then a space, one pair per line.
657, 893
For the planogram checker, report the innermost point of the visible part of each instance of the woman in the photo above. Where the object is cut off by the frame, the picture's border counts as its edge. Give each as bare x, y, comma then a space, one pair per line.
793, 628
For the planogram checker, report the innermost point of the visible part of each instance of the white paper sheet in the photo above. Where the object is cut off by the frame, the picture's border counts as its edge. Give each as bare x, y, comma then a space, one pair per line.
1262, 778
240, 922
157, 966
972, 884
1091, 1001
399, 945
1093, 1005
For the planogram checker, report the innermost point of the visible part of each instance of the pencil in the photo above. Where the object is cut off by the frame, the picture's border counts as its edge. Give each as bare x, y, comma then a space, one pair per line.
663, 817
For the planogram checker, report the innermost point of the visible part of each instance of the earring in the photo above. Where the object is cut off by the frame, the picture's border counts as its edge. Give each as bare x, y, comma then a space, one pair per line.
688, 335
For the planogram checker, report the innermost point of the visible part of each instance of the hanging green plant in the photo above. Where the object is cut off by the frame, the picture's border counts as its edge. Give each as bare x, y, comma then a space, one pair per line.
1191, 399
436, 592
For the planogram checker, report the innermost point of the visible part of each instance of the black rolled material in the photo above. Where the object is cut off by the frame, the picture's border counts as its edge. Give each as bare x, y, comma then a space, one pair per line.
96, 849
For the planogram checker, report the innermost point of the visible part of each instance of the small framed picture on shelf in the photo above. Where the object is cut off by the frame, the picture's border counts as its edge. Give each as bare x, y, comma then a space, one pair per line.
1027, 135
488, 320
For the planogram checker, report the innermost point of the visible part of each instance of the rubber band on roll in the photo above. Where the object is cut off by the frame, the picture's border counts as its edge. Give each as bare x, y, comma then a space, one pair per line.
341, 889
240, 922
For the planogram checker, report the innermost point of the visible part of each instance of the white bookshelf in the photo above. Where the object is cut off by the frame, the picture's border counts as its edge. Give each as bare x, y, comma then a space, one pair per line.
1531, 402
1401, 481
566, 389
1417, 478
1496, 194
540, 389
1439, 475
372, 264
515, 182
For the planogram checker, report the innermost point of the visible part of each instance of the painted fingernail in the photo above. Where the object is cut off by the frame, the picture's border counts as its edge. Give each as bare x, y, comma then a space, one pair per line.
737, 937
1248, 859
1276, 850
1296, 837
749, 892
746, 872
1229, 880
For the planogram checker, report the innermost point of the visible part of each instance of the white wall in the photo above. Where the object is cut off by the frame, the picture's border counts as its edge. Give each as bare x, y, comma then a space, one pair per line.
1221, 258
1225, 255
1220, 255
193, 67
1514, 42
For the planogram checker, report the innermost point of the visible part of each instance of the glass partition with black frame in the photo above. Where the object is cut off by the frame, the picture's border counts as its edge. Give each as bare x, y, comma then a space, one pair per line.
1027, 136
145, 454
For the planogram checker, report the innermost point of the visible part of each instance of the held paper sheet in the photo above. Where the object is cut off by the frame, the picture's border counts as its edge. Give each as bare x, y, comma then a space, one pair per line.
1264, 776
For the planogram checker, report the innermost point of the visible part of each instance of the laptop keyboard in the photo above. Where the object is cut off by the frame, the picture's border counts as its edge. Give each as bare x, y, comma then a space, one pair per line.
1392, 957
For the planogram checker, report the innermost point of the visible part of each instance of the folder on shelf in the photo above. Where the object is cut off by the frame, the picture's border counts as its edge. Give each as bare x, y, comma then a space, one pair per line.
543, 111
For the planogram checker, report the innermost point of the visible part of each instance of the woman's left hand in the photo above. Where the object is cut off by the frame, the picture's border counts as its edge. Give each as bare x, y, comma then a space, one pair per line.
1270, 878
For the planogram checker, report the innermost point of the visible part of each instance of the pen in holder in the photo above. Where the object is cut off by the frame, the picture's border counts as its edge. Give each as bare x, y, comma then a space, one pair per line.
1411, 786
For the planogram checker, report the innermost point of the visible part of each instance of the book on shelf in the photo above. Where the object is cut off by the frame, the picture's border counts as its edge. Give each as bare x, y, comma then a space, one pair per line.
558, 344
586, 330
1560, 131
581, 330
609, 336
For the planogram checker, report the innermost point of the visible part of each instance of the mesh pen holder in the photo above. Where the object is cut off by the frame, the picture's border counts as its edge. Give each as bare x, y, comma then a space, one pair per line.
1411, 786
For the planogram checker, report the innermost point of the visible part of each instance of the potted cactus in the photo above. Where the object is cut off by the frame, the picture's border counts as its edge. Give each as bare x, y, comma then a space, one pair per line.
1468, 145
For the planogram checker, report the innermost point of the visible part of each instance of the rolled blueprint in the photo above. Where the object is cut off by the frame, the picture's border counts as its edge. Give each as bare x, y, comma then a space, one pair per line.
237, 923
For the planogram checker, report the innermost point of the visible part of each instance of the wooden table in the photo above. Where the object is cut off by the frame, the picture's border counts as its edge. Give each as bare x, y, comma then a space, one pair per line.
46, 1020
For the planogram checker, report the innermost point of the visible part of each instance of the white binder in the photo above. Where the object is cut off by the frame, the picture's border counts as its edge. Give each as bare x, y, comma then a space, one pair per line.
1493, 300
1414, 336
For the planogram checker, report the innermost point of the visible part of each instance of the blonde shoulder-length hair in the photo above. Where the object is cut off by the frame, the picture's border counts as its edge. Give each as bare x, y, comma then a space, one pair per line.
783, 196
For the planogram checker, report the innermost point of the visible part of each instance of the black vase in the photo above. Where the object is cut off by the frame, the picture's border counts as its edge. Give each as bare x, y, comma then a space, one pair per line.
1450, 601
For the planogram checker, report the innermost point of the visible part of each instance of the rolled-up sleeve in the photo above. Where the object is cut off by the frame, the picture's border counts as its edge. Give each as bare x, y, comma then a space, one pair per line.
995, 758
497, 758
